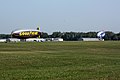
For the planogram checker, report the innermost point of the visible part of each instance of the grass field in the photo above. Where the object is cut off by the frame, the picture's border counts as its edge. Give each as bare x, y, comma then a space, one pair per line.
60, 61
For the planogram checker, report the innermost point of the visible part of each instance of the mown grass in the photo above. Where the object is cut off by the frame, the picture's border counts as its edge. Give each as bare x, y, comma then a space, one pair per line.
60, 61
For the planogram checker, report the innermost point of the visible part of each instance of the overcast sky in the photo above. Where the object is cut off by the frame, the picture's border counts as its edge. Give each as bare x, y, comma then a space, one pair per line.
60, 15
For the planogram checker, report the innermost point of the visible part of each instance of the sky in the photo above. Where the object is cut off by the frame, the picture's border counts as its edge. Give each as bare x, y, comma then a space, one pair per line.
60, 15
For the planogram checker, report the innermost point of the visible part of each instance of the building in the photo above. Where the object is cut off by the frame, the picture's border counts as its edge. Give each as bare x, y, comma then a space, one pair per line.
13, 40
57, 39
35, 40
90, 39
2, 40
54, 39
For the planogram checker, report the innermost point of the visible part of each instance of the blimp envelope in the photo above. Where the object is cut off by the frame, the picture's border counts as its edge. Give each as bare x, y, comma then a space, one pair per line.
101, 34
28, 33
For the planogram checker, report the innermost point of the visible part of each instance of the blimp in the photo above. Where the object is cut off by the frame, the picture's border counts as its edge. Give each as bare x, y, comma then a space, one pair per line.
26, 33
100, 35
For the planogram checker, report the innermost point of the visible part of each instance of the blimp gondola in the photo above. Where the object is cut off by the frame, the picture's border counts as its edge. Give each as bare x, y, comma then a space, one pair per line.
26, 33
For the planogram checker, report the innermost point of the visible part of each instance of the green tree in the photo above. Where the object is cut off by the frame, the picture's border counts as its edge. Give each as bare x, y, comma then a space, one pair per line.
5, 36
118, 35
109, 35
56, 35
44, 35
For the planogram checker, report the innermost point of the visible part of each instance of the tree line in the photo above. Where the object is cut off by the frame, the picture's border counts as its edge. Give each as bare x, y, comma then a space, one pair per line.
77, 36
73, 36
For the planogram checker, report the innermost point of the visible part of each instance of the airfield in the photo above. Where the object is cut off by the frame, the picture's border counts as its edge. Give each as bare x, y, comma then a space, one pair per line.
75, 60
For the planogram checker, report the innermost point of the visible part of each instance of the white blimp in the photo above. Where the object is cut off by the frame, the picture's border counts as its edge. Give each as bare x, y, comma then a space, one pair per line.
100, 35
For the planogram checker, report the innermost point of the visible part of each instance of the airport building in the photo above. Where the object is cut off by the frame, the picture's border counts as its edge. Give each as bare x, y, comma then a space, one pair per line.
2, 40
90, 39
54, 39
